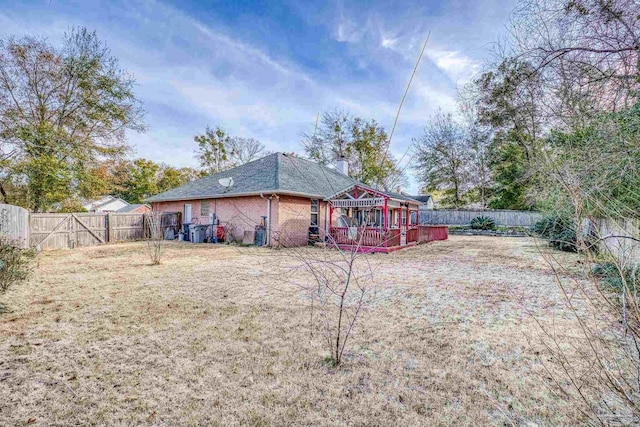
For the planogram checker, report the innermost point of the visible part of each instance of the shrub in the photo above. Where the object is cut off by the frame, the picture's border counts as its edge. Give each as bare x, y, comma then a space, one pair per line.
483, 223
610, 277
155, 236
16, 264
558, 231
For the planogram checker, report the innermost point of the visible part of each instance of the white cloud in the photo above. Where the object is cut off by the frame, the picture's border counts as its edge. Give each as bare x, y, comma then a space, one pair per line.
193, 72
458, 67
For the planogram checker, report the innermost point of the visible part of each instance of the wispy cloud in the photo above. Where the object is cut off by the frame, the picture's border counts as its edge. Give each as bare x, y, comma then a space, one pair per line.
458, 67
266, 72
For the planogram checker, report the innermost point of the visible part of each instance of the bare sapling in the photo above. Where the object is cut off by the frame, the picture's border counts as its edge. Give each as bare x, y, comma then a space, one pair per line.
340, 285
599, 368
155, 236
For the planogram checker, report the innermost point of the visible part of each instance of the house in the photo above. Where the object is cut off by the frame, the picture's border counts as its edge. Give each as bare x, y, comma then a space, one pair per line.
293, 198
135, 208
426, 200
105, 204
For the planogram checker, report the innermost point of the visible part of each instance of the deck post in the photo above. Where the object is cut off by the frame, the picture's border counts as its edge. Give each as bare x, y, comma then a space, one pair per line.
330, 216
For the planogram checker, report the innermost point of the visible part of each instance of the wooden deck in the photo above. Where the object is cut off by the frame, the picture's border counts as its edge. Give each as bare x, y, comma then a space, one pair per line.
369, 239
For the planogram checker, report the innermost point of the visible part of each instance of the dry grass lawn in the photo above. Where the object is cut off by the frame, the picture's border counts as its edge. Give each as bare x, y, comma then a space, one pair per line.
217, 335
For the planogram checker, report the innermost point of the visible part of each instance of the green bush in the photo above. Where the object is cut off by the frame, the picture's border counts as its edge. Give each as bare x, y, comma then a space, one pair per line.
558, 231
610, 277
483, 223
16, 264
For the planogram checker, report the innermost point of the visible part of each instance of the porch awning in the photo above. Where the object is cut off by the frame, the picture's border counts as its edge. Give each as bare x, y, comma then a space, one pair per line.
358, 203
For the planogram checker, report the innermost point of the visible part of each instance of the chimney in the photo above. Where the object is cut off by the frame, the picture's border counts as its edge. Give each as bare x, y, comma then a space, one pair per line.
342, 165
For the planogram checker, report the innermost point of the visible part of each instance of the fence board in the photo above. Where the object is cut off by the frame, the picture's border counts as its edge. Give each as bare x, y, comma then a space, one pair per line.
126, 227
622, 248
507, 218
14, 224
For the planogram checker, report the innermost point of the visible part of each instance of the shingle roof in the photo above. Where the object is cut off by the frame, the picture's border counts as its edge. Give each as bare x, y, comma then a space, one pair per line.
130, 208
275, 173
422, 198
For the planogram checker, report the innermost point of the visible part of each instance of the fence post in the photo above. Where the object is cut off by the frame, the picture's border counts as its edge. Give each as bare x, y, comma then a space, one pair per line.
109, 228
145, 227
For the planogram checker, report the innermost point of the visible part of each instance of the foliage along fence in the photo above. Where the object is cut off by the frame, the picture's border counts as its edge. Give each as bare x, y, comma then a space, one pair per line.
14, 224
507, 218
70, 230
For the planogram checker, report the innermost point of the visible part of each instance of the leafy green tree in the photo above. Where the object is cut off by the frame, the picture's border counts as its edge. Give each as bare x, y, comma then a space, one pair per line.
509, 171
142, 182
213, 150
596, 166
508, 102
363, 143
62, 110
170, 177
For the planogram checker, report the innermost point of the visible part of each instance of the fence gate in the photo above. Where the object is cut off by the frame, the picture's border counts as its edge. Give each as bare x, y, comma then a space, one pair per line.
54, 231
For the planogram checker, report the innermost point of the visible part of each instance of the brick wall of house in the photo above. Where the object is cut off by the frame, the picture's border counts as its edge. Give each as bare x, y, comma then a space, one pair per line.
290, 216
294, 218
236, 213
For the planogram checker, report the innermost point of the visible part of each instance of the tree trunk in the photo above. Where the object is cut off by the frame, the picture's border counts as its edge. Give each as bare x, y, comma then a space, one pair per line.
3, 193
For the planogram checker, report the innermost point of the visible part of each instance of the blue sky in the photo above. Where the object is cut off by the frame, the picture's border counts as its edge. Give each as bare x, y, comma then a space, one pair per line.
263, 69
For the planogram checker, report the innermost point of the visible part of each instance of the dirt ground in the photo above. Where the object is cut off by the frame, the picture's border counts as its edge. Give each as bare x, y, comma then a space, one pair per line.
217, 335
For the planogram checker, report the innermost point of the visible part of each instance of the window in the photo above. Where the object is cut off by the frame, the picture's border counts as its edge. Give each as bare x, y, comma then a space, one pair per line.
204, 208
315, 205
404, 216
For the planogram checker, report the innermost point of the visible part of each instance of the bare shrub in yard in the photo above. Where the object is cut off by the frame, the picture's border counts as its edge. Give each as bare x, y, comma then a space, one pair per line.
155, 236
340, 285
600, 368
233, 233
16, 265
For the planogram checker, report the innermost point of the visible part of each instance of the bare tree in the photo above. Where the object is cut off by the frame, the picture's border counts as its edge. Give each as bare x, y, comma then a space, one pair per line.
155, 236
585, 51
442, 159
244, 150
340, 284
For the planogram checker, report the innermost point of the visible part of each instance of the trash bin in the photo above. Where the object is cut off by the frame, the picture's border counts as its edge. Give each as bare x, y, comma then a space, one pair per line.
259, 236
197, 233
186, 231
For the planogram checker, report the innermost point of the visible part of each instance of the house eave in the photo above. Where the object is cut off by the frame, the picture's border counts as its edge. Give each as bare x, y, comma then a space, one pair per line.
231, 195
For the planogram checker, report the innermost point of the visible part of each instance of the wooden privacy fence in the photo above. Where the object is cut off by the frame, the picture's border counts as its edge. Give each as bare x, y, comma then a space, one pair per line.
70, 230
507, 218
618, 237
14, 224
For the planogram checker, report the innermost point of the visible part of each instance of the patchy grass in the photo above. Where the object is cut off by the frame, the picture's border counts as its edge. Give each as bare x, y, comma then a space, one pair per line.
217, 335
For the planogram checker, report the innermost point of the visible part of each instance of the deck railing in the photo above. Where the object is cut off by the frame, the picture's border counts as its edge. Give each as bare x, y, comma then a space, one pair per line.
429, 233
374, 237
363, 236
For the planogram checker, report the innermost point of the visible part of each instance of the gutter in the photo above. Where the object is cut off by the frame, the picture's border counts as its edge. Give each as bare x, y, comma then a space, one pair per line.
225, 196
